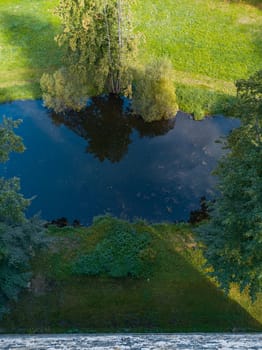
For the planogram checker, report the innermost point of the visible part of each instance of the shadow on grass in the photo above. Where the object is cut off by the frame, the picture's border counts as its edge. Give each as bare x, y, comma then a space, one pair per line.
33, 49
176, 298
256, 3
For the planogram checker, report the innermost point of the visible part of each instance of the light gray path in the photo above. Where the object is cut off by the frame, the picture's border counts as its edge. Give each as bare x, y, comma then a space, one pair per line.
132, 342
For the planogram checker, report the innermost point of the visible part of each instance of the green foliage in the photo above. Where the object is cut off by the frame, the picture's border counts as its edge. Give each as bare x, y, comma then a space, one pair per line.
99, 45
154, 95
19, 237
9, 141
18, 244
233, 237
249, 106
12, 203
122, 252
62, 90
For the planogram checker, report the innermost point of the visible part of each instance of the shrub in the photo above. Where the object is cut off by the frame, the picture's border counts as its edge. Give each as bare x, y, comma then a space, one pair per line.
63, 91
122, 252
154, 96
18, 243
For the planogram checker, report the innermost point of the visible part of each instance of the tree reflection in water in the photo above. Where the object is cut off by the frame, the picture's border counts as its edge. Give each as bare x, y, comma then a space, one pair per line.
107, 125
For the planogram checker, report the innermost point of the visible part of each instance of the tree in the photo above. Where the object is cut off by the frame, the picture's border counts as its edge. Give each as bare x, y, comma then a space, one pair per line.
19, 236
9, 141
233, 236
249, 105
100, 48
154, 96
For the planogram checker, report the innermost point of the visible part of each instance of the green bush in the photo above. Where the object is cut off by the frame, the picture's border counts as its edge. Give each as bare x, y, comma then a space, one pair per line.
154, 95
122, 252
63, 90
18, 244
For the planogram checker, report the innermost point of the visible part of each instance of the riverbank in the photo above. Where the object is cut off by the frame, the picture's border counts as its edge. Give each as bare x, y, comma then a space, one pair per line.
210, 44
173, 296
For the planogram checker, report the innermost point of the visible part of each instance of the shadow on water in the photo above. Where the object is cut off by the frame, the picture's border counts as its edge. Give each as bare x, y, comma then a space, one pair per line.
176, 298
107, 125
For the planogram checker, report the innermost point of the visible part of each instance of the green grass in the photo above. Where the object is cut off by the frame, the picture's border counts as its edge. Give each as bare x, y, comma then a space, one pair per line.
211, 43
207, 39
176, 297
27, 47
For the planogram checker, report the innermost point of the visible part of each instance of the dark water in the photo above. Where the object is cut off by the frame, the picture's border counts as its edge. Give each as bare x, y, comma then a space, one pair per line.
101, 161
134, 342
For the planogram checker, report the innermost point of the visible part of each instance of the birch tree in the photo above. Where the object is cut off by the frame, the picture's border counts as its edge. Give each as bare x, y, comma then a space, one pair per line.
99, 50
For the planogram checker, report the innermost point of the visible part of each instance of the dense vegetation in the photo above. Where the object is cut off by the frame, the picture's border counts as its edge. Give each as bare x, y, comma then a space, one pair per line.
233, 236
19, 236
124, 252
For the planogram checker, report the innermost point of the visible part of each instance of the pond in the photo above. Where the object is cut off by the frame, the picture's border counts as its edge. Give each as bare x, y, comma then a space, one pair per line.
105, 161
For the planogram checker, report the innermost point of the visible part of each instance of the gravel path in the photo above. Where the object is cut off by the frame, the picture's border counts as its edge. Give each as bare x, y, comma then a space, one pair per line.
132, 342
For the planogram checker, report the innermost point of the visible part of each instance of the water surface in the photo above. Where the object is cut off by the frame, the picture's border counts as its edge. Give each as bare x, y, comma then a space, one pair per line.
102, 161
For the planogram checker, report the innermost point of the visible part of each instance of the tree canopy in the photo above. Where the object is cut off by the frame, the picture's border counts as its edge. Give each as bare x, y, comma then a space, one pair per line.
233, 236
19, 236
100, 48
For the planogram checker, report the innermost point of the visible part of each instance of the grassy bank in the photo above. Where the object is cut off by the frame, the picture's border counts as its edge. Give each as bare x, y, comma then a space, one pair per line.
175, 296
210, 43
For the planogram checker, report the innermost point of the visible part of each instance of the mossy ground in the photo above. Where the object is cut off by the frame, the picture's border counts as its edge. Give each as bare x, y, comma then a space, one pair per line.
211, 43
176, 297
